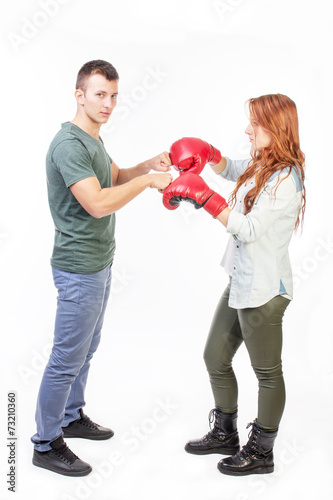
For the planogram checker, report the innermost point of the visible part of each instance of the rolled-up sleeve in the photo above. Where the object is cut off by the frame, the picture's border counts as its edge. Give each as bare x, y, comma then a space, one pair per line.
234, 168
271, 204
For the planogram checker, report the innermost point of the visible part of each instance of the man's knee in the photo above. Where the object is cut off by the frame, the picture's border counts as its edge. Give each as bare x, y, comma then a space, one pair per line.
63, 364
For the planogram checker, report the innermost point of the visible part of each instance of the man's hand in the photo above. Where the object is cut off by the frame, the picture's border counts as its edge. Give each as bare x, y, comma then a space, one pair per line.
160, 181
160, 163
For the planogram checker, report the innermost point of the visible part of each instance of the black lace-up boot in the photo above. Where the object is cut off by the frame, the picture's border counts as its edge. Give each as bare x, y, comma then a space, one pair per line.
61, 459
223, 438
85, 428
256, 457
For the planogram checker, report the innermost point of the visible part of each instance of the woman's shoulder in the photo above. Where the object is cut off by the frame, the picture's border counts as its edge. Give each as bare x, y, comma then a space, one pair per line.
289, 172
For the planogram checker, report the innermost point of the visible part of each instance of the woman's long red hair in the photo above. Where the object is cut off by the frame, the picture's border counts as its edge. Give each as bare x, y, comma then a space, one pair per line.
277, 115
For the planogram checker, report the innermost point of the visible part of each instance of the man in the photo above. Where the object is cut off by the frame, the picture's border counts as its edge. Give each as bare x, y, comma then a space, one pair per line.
85, 189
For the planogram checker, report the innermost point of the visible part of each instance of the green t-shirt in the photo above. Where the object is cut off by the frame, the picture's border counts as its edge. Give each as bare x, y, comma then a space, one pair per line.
82, 243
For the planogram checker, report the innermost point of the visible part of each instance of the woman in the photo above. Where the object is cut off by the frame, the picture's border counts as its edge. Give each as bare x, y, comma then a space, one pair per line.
267, 205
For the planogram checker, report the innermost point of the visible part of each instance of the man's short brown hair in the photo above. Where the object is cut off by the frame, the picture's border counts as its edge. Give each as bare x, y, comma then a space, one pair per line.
96, 67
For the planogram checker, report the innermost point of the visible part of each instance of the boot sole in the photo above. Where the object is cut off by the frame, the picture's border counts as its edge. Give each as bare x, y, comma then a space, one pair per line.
221, 451
85, 472
258, 470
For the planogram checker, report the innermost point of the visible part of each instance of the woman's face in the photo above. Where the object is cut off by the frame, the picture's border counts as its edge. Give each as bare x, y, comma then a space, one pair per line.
258, 137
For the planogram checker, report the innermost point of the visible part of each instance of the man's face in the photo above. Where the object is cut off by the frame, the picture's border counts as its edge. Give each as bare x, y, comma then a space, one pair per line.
99, 98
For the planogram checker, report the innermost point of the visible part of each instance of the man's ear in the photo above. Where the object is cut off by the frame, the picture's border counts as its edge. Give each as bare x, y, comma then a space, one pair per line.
79, 96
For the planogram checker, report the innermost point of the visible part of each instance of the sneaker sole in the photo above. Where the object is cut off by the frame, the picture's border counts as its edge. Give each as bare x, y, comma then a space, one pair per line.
94, 438
85, 472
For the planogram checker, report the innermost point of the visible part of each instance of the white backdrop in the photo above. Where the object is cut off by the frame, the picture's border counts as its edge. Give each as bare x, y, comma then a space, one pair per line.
186, 69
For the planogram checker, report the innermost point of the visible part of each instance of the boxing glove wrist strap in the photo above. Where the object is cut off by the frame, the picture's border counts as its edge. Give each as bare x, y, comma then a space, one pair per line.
215, 205
216, 156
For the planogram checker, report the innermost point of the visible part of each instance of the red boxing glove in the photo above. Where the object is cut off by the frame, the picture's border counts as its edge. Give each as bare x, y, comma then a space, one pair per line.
191, 155
192, 188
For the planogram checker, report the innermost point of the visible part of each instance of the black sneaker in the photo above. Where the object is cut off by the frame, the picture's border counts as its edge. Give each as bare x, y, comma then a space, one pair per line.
85, 428
61, 460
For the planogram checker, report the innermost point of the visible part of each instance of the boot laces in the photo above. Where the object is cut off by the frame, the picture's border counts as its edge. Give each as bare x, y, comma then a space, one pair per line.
251, 447
215, 431
211, 417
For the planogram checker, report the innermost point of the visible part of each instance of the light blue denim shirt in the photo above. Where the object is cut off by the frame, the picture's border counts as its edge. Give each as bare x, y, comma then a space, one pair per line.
257, 254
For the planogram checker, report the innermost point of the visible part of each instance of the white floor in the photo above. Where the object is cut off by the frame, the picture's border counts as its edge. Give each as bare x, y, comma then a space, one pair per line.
148, 383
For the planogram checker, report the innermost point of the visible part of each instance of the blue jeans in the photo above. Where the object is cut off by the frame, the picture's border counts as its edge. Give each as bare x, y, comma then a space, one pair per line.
82, 301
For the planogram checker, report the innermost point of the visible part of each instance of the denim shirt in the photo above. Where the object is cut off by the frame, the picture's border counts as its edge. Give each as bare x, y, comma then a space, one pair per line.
257, 254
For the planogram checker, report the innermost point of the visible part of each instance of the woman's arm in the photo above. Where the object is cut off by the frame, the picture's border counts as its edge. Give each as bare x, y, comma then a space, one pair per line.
223, 217
278, 196
232, 169
219, 167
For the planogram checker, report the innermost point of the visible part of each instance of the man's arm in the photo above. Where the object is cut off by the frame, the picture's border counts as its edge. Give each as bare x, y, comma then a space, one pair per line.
100, 202
160, 163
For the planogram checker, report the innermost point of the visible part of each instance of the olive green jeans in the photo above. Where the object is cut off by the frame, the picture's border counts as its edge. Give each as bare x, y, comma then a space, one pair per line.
260, 328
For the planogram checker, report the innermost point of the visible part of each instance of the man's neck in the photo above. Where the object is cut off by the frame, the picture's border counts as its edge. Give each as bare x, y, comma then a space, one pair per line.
87, 125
